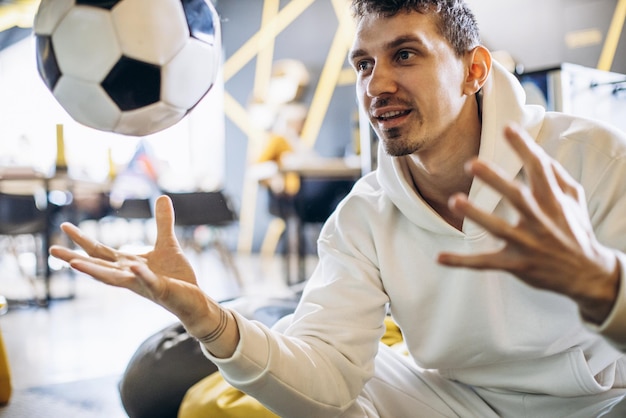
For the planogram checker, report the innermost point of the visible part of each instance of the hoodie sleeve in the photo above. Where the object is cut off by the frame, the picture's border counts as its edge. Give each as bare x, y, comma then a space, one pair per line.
317, 366
614, 327
603, 176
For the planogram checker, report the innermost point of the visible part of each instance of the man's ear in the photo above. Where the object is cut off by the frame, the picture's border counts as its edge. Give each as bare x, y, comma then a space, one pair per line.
479, 66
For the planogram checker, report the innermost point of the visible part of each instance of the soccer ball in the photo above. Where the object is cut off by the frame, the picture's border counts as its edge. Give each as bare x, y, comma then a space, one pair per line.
133, 67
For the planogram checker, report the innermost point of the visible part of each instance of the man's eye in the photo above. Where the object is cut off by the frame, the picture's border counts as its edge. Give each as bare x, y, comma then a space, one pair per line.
362, 65
404, 55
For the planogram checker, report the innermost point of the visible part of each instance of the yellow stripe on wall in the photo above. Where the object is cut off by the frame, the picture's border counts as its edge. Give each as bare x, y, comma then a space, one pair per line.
327, 83
612, 37
266, 54
266, 35
261, 45
263, 73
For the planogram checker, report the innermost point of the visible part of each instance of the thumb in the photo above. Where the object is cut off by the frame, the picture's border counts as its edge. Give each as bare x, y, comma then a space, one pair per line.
164, 215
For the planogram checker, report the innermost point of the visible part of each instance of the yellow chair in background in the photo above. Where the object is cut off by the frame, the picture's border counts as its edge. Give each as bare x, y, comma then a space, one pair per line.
5, 371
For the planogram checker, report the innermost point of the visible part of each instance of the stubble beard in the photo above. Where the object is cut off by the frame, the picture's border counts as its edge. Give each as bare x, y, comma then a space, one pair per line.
396, 144
397, 141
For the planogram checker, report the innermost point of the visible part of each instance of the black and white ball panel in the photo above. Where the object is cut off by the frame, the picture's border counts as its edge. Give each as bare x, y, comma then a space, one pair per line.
129, 66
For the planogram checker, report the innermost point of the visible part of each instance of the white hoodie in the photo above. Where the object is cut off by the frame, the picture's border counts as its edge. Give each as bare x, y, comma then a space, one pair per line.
378, 251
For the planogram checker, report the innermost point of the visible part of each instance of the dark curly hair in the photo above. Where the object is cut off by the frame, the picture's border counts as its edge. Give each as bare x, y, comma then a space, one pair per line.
456, 21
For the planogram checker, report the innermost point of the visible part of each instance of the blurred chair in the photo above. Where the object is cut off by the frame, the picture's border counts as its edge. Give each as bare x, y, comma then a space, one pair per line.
24, 223
314, 202
208, 209
134, 209
318, 198
127, 223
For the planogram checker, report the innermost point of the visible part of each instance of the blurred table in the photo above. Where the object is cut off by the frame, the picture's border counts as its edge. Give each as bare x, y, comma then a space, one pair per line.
322, 167
24, 180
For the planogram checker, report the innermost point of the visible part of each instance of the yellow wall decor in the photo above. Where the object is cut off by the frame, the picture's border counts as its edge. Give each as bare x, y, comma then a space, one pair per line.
612, 37
18, 13
261, 46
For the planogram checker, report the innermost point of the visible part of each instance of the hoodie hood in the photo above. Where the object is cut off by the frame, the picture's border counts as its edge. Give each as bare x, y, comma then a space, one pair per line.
503, 101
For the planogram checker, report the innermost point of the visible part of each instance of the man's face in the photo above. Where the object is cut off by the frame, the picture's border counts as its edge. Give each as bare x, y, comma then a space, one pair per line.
409, 81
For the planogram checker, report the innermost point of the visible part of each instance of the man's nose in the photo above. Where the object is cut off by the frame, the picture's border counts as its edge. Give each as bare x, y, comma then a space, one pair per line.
380, 81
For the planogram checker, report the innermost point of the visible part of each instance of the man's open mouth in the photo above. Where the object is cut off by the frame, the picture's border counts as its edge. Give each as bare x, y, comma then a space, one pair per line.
392, 115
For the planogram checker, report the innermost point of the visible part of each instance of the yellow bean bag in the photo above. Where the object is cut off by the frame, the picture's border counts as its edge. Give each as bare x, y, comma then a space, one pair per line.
5, 375
213, 397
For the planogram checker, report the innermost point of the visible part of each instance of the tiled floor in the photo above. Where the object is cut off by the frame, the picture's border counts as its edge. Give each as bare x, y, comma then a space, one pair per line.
95, 333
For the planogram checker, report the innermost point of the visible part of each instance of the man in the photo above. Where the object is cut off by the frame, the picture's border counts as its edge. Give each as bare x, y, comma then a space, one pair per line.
468, 178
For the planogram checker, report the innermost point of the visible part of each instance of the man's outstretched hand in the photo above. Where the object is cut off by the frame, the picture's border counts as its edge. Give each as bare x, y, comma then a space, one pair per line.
553, 245
163, 275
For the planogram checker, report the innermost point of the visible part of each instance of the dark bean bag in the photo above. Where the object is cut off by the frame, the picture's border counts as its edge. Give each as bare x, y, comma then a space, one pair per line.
161, 371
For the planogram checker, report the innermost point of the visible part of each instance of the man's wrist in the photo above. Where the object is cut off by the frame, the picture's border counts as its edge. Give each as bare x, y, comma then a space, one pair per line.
218, 331
596, 303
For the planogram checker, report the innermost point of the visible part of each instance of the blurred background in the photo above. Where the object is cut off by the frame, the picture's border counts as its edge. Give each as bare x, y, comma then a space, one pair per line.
214, 146
283, 74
